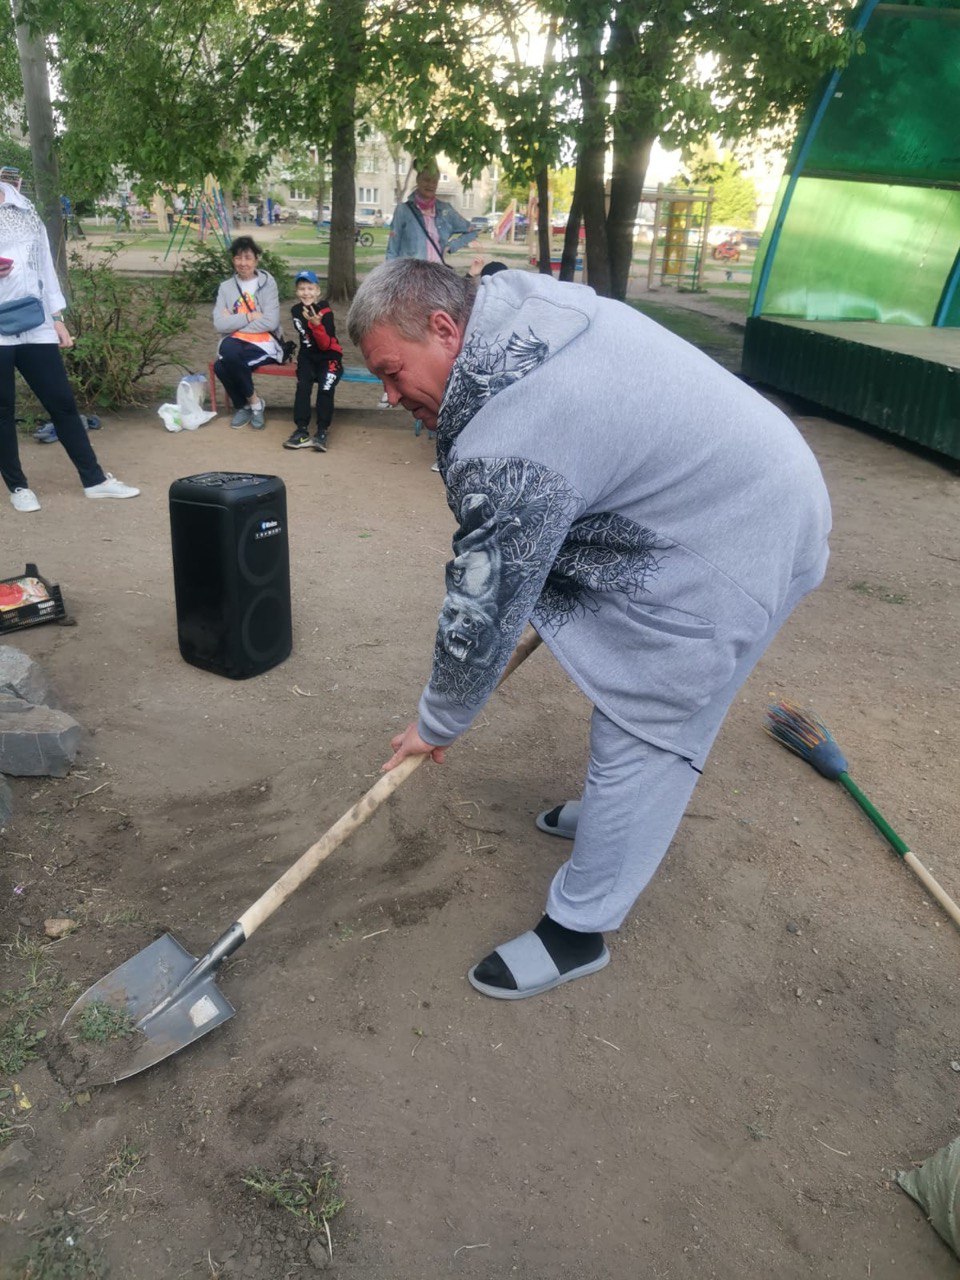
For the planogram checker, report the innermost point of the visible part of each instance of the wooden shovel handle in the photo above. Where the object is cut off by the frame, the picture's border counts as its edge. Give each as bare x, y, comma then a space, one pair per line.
937, 889
307, 863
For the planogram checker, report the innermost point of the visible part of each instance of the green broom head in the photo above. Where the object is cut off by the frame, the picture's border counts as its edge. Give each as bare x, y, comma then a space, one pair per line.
802, 732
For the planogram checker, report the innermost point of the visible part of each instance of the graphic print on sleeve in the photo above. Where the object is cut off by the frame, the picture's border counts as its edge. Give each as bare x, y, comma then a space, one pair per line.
521, 552
602, 552
481, 371
524, 549
513, 516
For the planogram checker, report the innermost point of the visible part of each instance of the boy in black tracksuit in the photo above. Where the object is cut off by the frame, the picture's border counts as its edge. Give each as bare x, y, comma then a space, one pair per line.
319, 360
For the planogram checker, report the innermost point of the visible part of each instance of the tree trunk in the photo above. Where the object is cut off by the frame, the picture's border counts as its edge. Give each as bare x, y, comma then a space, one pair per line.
590, 159
571, 236
46, 176
543, 222
542, 176
342, 270
638, 55
631, 156
595, 218
321, 184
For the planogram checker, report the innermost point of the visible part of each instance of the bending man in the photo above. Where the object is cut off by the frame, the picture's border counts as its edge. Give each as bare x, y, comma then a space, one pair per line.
655, 519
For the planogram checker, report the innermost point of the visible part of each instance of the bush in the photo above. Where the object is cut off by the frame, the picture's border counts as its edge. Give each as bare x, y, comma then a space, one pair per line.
125, 329
208, 264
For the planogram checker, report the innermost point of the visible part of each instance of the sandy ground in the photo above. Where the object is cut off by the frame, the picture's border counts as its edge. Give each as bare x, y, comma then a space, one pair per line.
728, 1099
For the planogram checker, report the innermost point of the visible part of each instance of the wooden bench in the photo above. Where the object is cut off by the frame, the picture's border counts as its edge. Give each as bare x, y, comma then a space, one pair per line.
555, 263
286, 371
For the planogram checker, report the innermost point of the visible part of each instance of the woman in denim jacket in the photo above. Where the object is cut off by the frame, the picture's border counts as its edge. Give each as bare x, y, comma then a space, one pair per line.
425, 227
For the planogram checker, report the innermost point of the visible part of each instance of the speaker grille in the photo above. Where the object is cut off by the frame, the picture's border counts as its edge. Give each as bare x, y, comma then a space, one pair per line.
261, 546
263, 631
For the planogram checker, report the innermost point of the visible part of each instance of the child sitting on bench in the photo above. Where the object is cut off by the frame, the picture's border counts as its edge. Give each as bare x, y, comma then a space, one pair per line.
319, 360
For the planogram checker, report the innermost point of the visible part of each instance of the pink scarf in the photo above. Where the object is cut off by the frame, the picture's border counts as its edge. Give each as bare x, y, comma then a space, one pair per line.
428, 211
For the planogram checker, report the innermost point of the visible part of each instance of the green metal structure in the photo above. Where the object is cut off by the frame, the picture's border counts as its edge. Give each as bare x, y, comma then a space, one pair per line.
855, 302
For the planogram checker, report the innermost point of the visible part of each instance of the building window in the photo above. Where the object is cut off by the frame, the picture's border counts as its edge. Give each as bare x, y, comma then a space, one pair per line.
368, 195
297, 193
467, 200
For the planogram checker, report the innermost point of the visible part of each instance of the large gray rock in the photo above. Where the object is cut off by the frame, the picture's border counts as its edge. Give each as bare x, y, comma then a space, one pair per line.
36, 741
6, 803
23, 678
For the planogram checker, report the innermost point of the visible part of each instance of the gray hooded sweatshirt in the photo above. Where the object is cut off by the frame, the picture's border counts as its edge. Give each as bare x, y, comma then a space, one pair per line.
643, 508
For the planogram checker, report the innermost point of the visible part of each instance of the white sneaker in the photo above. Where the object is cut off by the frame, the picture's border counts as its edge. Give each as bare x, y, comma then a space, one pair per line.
435, 467
109, 488
25, 500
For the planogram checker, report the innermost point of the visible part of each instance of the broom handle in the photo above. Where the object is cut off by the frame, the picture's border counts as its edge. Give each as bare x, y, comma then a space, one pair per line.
912, 861
307, 863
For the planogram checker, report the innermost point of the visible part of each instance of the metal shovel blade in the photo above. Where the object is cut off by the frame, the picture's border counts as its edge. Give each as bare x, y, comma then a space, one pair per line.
140, 987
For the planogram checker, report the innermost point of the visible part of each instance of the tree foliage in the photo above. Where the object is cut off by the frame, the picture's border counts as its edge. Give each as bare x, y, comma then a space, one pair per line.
148, 87
734, 194
9, 63
675, 70
170, 92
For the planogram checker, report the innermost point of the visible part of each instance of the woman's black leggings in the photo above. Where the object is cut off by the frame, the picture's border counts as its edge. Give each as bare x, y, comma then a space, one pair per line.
233, 365
41, 366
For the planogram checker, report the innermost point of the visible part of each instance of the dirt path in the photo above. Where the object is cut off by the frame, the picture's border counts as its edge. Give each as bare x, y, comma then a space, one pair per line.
726, 1100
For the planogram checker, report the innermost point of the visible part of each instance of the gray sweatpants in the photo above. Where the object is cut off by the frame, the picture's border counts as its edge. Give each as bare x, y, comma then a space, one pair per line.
633, 799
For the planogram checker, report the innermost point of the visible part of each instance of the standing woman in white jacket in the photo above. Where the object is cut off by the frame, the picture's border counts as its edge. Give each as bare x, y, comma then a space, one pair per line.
27, 273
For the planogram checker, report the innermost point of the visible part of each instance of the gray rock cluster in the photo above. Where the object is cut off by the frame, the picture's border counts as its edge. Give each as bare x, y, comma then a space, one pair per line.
36, 738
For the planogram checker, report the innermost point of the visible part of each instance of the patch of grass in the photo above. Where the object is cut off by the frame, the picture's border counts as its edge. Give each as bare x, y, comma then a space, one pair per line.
8, 1123
879, 593
18, 1044
23, 947
696, 328
60, 1253
100, 1022
315, 1201
122, 915
41, 987
123, 1163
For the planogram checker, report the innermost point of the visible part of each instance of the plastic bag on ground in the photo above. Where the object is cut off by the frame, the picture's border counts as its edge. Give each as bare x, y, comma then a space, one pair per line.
170, 413
190, 394
935, 1186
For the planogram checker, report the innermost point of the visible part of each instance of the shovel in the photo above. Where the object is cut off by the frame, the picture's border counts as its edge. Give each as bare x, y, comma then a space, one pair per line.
170, 996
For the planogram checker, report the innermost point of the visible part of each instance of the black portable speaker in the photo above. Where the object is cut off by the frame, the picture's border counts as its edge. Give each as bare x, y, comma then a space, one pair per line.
231, 571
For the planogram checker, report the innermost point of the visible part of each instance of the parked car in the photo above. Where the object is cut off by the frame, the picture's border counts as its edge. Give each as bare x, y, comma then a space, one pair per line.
480, 223
749, 239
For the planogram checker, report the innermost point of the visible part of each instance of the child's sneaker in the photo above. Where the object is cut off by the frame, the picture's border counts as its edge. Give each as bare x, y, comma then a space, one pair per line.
257, 416
320, 443
299, 440
241, 417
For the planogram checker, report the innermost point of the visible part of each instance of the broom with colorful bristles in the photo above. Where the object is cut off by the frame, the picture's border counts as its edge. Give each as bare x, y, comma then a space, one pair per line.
806, 735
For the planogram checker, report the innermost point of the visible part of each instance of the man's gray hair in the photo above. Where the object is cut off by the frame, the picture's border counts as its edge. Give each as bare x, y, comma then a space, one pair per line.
404, 293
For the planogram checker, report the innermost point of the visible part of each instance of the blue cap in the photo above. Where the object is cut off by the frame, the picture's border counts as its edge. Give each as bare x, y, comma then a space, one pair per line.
309, 276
